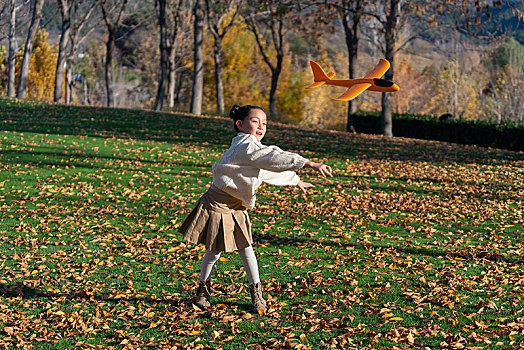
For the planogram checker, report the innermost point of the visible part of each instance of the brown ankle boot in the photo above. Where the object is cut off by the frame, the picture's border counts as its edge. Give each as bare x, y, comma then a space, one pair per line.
259, 304
203, 297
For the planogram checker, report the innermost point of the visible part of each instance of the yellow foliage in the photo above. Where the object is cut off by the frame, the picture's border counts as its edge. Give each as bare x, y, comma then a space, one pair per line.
320, 111
42, 68
291, 90
3, 70
247, 78
454, 92
412, 88
245, 75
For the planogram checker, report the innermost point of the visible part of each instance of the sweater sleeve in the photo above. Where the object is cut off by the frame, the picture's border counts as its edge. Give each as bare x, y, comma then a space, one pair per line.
272, 158
283, 178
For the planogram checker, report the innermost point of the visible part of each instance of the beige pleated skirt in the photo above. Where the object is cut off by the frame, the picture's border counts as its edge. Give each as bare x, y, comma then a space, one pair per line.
220, 221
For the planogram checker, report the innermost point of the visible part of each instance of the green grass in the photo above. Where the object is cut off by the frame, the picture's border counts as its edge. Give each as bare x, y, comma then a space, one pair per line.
411, 244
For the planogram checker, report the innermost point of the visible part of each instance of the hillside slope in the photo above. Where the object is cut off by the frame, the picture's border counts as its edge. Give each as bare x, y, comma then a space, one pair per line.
411, 243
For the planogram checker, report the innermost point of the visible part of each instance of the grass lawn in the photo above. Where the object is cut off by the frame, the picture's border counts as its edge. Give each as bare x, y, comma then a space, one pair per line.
412, 244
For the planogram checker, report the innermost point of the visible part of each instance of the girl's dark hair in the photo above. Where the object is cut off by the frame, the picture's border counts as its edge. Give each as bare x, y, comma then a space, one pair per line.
240, 112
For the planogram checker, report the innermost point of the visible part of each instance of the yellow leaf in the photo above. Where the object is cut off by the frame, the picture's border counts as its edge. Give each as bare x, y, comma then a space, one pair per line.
411, 340
396, 319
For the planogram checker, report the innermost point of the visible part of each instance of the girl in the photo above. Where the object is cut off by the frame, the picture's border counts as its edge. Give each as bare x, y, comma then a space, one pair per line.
220, 220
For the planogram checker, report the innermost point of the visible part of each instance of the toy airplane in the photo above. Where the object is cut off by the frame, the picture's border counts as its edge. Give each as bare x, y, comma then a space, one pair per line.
370, 82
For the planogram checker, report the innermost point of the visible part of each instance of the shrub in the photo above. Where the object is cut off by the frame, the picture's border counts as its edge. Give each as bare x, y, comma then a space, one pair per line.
481, 133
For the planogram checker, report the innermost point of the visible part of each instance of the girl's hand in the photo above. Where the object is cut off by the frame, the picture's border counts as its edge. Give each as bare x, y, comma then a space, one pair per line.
323, 169
303, 185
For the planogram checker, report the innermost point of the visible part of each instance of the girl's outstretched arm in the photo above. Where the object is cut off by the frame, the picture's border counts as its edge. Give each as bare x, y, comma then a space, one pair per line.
323, 169
303, 185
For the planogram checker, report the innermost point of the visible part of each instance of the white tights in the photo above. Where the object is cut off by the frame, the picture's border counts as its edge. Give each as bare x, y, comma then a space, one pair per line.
248, 259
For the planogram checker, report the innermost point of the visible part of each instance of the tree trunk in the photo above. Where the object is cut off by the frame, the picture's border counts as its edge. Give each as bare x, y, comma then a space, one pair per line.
171, 77
198, 71
112, 25
68, 69
216, 13
352, 35
64, 41
178, 89
78, 22
68, 82
275, 74
218, 75
386, 120
390, 38
108, 68
21, 91
12, 50
160, 93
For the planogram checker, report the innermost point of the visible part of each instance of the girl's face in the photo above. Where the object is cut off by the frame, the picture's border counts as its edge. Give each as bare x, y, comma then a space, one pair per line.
254, 124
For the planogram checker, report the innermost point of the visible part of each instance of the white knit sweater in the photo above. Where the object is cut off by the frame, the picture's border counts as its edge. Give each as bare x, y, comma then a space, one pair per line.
248, 163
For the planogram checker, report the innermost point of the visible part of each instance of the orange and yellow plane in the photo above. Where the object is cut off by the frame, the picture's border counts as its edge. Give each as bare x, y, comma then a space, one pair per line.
371, 81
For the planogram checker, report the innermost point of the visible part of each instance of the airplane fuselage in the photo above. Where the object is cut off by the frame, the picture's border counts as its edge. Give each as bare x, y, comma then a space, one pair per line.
379, 85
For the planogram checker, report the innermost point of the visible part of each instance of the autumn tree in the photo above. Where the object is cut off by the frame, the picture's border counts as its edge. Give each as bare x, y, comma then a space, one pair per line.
13, 9
36, 10
74, 15
266, 19
112, 12
240, 68
505, 87
414, 84
319, 109
41, 72
83, 23
391, 15
318, 19
387, 13
160, 6
65, 12
505, 102
173, 22
351, 13
198, 57
221, 17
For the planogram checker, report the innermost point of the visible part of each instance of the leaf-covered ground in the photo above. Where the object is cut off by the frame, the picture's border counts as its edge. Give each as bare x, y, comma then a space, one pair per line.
412, 244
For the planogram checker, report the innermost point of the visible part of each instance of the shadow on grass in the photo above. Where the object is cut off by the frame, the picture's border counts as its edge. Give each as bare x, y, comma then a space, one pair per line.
469, 255
84, 160
497, 191
179, 128
19, 289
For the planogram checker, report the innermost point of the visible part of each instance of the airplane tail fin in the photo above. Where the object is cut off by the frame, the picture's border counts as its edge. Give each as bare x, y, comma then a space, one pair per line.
320, 76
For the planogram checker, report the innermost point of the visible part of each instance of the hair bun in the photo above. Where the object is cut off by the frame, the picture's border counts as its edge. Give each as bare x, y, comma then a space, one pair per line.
234, 111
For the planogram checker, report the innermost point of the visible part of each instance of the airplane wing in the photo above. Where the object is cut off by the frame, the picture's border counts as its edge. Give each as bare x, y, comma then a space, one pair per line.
353, 92
379, 70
